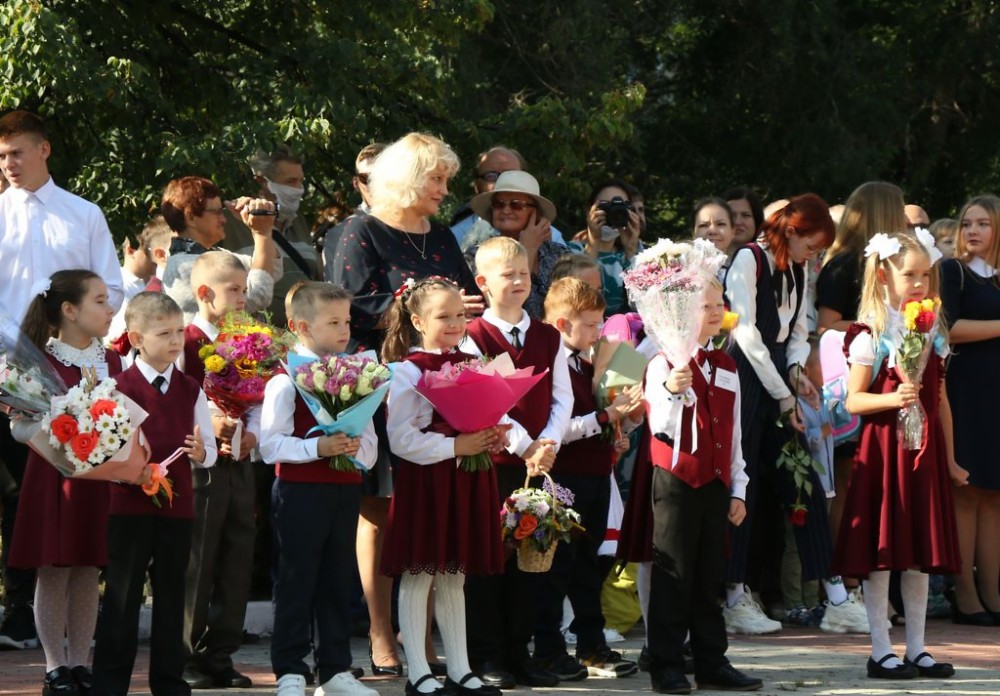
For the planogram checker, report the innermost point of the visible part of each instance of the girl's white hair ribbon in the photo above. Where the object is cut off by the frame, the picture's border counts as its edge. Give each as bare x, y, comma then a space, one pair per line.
41, 287
882, 244
927, 240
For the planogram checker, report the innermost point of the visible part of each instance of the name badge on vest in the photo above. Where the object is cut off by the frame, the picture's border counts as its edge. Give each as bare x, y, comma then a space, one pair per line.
726, 379
101, 369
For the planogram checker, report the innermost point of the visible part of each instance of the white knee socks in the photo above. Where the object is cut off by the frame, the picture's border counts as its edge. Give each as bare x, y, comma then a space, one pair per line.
449, 607
913, 586
50, 614
413, 592
876, 589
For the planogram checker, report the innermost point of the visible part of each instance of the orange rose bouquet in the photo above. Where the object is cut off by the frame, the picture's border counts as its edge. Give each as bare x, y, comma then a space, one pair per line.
535, 520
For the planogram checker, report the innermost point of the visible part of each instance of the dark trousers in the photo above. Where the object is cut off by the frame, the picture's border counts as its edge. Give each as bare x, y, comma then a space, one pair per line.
316, 525
689, 539
500, 609
576, 573
218, 577
137, 543
18, 583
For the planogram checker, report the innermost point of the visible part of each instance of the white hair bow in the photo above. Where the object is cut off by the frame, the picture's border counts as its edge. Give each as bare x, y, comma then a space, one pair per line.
927, 240
41, 287
882, 244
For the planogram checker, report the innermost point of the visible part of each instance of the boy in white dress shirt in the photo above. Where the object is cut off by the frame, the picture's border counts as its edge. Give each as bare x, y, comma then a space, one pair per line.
315, 509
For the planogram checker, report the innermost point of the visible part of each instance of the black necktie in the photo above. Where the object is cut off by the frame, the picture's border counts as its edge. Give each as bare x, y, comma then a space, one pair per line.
574, 359
515, 338
158, 383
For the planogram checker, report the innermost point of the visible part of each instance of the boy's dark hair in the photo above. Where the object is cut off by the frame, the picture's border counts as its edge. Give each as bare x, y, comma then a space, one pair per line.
22, 123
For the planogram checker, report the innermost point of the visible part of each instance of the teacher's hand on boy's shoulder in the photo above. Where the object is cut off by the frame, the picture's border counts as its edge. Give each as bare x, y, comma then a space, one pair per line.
679, 379
737, 511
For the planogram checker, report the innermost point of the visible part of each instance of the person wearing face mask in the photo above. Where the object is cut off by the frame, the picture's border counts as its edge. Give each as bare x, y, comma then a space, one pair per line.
281, 179
613, 246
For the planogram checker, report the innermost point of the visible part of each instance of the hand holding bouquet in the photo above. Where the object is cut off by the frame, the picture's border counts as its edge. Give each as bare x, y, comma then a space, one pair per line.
343, 392
919, 322
473, 396
536, 520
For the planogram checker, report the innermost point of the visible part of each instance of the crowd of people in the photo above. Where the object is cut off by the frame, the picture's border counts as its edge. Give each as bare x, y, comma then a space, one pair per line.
862, 539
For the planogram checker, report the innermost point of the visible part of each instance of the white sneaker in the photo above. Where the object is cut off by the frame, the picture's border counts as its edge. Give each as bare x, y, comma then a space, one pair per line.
747, 617
569, 637
291, 685
613, 636
344, 683
848, 617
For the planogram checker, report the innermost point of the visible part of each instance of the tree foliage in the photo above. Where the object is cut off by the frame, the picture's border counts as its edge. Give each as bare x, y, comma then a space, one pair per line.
685, 98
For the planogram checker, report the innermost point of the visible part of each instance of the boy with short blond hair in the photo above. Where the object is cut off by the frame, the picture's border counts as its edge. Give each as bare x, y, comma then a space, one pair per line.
498, 633
315, 509
218, 584
141, 535
584, 465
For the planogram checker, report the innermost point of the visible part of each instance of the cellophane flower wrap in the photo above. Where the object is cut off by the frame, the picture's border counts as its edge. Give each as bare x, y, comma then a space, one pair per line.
473, 395
530, 516
92, 431
343, 392
919, 324
28, 382
239, 363
667, 283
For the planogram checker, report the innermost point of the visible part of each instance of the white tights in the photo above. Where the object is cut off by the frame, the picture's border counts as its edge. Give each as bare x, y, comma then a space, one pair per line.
913, 586
66, 614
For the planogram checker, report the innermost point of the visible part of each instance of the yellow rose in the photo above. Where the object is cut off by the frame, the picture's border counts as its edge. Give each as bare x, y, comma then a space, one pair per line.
214, 363
910, 312
927, 305
730, 321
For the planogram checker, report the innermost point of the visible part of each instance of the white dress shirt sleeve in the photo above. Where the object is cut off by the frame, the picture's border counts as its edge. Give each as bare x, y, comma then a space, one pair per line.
665, 409
368, 452
798, 344
408, 414
277, 423
562, 400
862, 350
203, 420
104, 258
741, 289
582, 427
738, 478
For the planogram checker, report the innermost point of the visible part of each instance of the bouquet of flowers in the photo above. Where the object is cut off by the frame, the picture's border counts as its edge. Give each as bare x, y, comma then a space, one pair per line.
27, 381
474, 395
919, 322
343, 392
667, 283
536, 520
92, 432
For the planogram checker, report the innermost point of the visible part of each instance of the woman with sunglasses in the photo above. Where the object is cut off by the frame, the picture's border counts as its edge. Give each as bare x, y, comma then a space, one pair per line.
515, 209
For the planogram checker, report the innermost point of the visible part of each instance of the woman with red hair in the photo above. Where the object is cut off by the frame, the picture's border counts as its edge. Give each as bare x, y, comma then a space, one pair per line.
766, 286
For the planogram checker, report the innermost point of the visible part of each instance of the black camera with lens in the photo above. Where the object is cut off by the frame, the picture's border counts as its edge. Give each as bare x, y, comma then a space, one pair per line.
616, 212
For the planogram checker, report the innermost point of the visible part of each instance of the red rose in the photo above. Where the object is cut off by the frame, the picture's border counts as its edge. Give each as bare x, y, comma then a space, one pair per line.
102, 407
83, 444
64, 427
798, 516
526, 526
925, 321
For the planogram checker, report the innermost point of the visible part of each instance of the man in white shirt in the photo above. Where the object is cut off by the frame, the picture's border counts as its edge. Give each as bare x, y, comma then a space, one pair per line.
43, 229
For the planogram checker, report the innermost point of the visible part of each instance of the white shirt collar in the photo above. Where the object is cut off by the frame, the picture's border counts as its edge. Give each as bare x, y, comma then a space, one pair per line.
490, 316
150, 374
208, 328
981, 268
301, 350
43, 193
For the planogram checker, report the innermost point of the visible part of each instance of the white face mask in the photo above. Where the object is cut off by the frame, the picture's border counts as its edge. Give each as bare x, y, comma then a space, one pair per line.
288, 198
609, 234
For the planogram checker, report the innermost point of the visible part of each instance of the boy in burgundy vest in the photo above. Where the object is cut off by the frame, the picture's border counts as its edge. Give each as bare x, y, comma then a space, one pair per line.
500, 609
141, 535
699, 487
218, 584
315, 509
584, 465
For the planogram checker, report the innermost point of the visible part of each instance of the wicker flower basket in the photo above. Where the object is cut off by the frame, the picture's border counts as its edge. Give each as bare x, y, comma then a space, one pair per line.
529, 558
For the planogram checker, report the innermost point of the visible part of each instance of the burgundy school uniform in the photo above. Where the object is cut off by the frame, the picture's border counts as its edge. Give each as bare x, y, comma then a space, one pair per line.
635, 540
591, 456
194, 366
442, 519
898, 512
61, 521
542, 344
171, 419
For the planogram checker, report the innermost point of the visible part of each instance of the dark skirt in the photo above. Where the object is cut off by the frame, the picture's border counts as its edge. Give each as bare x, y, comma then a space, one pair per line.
60, 521
443, 519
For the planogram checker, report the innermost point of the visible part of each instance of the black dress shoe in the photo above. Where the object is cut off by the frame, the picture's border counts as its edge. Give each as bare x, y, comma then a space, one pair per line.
939, 670
669, 681
438, 669
84, 679
60, 682
878, 670
459, 688
643, 661
387, 670
411, 689
727, 678
231, 679
197, 679
492, 674
979, 618
530, 674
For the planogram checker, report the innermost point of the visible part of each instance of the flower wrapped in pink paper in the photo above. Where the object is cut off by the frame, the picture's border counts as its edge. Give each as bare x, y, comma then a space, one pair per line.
473, 395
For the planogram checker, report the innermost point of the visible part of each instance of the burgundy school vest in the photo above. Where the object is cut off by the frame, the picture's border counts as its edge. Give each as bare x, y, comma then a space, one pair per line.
542, 344
194, 366
171, 419
714, 411
590, 456
318, 470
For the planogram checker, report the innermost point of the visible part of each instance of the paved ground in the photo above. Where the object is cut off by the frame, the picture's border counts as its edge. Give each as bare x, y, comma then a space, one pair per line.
799, 660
